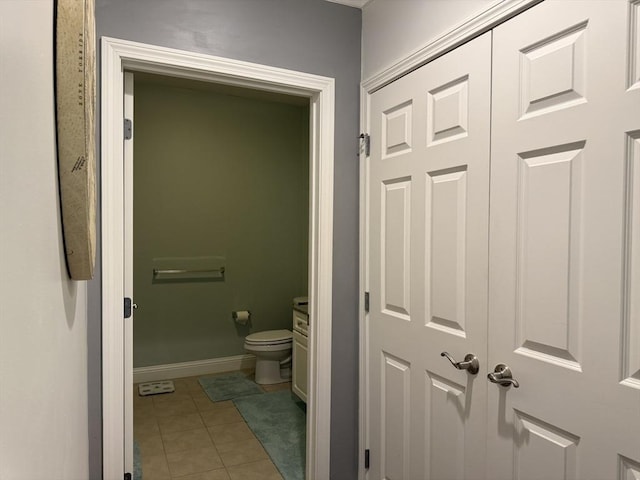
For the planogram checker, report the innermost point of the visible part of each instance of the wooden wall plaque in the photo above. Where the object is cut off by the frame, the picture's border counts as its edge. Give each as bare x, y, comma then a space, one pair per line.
75, 66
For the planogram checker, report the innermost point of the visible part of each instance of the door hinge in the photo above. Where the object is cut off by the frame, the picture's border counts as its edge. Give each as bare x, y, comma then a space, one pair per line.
128, 129
366, 302
366, 458
127, 476
127, 307
365, 144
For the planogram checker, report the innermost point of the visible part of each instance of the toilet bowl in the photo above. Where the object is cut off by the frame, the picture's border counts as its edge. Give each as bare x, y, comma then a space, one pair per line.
272, 349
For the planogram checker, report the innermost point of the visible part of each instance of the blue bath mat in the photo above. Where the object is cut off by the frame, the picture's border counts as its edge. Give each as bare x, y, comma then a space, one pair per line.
228, 386
278, 419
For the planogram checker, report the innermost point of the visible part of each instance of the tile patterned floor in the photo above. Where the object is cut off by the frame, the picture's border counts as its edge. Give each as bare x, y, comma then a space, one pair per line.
184, 435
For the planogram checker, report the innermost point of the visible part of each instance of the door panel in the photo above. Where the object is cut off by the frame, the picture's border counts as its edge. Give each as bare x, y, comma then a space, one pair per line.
549, 219
543, 451
395, 418
396, 130
448, 112
395, 262
428, 234
561, 294
446, 402
628, 469
631, 318
630, 355
446, 232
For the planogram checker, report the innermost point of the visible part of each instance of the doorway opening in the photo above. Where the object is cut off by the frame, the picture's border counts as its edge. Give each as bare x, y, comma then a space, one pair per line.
118, 56
220, 230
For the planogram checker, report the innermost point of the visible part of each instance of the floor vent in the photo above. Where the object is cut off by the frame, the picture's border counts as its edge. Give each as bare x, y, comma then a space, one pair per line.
154, 388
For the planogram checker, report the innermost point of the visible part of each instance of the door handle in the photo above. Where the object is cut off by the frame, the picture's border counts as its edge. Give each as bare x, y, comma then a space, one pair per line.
470, 363
502, 376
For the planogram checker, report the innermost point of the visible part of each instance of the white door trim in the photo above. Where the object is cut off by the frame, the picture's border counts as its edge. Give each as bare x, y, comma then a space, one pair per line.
495, 14
121, 55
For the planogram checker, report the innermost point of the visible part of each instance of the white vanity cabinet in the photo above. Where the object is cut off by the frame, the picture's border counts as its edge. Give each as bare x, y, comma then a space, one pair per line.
299, 380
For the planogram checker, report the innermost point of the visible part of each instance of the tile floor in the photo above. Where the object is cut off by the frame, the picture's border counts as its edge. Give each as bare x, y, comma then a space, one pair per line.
184, 435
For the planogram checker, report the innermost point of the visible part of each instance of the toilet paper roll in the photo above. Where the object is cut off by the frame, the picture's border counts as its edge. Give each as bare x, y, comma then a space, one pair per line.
241, 317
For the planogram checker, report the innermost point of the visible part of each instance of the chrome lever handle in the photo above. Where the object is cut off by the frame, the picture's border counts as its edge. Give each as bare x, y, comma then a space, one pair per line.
502, 376
470, 363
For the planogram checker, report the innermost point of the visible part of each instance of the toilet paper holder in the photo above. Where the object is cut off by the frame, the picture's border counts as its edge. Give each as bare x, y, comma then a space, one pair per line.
241, 317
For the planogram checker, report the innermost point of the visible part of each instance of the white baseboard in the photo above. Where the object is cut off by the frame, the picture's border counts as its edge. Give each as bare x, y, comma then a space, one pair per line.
192, 369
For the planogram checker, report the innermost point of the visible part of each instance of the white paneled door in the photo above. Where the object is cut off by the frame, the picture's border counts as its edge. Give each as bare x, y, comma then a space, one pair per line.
428, 231
542, 274
565, 213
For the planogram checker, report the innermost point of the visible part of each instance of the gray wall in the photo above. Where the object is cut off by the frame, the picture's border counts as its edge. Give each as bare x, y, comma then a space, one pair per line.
392, 29
312, 36
215, 175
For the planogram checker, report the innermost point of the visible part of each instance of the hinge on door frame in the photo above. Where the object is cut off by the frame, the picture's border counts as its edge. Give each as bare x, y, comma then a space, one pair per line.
128, 129
366, 458
127, 307
365, 143
127, 476
366, 302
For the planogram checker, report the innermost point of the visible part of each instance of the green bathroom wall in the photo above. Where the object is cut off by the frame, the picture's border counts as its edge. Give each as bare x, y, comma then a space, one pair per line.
216, 175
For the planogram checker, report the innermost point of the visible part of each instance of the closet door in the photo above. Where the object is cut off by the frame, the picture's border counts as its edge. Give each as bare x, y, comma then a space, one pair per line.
564, 243
427, 260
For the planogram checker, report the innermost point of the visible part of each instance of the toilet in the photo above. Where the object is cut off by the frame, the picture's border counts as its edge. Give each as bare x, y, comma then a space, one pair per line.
272, 349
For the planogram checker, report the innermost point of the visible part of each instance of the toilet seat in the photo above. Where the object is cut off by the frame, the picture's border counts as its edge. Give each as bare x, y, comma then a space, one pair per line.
270, 337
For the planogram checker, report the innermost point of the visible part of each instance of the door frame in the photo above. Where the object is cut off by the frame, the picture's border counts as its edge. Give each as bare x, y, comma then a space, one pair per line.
485, 20
120, 55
